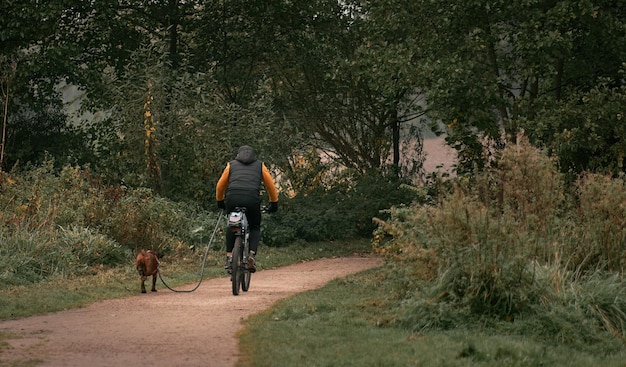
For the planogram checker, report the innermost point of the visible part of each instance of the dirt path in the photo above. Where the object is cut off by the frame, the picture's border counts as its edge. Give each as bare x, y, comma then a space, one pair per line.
165, 328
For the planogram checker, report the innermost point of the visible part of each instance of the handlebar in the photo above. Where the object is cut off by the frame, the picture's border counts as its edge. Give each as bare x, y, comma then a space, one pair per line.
264, 209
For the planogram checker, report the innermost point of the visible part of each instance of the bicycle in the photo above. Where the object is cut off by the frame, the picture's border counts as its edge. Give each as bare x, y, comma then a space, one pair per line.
240, 271
240, 274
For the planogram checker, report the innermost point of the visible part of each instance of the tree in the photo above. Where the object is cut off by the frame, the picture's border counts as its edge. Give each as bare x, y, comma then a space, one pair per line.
37, 126
349, 85
490, 67
128, 56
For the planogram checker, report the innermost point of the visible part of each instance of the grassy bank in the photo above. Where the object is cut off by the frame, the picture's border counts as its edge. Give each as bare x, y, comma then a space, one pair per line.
352, 322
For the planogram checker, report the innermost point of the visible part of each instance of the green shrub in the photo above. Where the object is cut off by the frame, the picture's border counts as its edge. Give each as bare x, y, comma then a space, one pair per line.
19, 264
140, 219
86, 248
341, 212
29, 257
586, 132
67, 223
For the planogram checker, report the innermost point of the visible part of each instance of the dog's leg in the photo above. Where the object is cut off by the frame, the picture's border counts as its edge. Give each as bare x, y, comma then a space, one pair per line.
154, 276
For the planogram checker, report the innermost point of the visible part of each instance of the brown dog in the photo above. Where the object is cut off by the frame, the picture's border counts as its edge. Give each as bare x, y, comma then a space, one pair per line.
147, 264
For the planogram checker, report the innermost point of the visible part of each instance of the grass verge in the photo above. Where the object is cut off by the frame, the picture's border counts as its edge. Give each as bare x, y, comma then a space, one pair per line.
351, 322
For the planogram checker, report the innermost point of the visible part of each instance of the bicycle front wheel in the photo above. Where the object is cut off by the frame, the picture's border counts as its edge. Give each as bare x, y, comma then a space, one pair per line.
245, 283
238, 266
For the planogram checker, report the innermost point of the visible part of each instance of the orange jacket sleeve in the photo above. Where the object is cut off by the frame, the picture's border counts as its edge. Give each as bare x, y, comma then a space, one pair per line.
222, 184
268, 181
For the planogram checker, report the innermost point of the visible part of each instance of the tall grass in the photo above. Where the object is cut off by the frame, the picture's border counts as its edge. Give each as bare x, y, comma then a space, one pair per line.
29, 257
515, 245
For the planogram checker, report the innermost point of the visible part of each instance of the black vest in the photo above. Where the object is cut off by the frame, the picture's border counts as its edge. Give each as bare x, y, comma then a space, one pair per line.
245, 179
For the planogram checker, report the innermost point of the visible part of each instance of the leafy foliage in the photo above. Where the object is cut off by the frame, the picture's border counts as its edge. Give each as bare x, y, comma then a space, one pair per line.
352, 89
489, 68
351, 78
339, 212
586, 133
34, 136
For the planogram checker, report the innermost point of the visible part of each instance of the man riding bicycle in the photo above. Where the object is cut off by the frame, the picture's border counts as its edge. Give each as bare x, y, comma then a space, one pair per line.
240, 186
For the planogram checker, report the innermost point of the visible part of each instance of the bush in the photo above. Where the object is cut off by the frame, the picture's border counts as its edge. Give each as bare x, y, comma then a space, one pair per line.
20, 264
600, 225
29, 257
511, 245
67, 223
344, 211
586, 132
86, 248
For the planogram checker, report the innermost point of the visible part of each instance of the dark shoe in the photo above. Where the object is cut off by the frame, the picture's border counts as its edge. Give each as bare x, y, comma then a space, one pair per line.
251, 263
228, 264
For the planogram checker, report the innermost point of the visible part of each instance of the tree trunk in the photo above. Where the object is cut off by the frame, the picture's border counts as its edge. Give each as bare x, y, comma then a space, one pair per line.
395, 136
558, 83
173, 32
493, 61
150, 144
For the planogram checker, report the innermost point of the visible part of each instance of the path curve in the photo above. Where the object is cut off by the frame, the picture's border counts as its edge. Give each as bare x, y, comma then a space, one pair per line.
165, 328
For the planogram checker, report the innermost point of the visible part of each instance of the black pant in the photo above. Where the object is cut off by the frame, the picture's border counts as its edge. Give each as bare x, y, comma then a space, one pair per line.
253, 213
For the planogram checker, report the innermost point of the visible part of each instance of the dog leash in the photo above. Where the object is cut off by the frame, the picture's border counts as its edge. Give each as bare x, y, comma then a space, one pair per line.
206, 254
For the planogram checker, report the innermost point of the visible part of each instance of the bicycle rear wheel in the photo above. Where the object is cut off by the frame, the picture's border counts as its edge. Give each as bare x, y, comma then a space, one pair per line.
247, 274
238, 267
